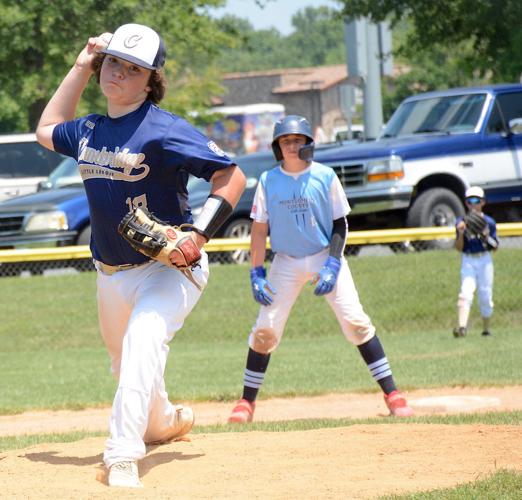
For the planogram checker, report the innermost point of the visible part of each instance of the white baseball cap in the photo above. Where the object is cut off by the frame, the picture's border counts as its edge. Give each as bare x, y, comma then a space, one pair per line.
475, 191
137, 44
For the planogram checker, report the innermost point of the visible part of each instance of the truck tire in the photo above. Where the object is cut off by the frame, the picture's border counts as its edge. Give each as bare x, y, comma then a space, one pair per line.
352, 250
84, 238
238, 228
435, 207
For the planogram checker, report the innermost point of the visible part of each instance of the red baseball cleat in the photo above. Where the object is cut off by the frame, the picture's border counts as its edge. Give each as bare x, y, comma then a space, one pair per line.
243, 412
397, 404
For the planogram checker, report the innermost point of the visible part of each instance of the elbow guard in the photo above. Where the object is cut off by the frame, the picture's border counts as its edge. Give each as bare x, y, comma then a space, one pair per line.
338, 237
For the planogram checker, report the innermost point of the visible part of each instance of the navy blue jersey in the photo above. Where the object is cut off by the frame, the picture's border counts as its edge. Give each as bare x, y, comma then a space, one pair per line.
476, 245
143, 158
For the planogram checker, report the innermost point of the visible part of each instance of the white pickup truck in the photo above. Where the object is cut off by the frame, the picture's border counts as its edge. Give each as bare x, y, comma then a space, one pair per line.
433, 147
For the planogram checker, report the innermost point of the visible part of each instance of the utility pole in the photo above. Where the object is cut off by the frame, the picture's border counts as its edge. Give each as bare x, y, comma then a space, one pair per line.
317, 107
372, 85
367, 46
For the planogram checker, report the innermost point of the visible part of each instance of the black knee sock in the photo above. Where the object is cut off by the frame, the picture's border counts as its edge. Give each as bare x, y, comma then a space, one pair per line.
256, 366
373, 354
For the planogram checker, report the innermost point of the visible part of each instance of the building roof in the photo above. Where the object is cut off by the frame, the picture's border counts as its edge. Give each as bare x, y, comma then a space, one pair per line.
318, 78
299, 79
266, 72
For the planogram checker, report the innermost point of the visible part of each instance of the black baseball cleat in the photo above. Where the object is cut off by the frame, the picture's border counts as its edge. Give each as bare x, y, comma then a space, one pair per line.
486, 333
460, 332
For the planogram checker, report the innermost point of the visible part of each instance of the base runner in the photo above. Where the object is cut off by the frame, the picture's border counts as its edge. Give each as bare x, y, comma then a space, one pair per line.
303, 206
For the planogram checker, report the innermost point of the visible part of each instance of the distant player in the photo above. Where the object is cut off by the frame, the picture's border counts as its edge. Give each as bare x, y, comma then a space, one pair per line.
303, 206
476, 238
138, 155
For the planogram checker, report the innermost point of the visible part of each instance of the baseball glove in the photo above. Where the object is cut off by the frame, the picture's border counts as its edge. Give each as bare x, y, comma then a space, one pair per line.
158, 240
476, 225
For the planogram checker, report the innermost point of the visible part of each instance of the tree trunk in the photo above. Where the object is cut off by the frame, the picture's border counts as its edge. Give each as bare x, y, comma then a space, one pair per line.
35, 111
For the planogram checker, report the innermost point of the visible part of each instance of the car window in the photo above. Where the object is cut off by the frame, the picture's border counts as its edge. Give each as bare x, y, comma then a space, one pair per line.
456, 113
195, 183
507, 107
255, 165
496, 121
252, 165
66, 173
26, 159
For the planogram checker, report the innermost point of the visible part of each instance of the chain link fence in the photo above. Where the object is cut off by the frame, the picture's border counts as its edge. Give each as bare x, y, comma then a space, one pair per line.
235, 250
408, 280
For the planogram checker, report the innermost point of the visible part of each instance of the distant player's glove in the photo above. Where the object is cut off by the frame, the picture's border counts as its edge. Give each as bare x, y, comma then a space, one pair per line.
476, 225
327, 277
261, 288
159, 241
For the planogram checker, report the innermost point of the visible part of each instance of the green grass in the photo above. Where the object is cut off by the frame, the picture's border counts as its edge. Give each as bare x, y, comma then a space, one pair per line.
493, 418
198, 371
502, 485
52, 355
24, 441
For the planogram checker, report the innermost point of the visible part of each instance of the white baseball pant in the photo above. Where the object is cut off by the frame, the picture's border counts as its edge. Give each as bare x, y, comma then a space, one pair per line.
140, 310
288, 275
476, 273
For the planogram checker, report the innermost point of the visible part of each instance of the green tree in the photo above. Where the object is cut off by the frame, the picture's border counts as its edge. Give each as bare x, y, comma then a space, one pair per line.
317, 40
490, 29
252, 50
318, 37
39, 42
433, 68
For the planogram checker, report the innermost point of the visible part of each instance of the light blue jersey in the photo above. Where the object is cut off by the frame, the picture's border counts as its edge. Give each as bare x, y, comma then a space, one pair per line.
300, 208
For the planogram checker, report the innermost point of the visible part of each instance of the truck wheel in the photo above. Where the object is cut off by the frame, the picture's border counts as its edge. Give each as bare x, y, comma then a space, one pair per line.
239, 228
401, 247
352, 250
84, 238
435, 207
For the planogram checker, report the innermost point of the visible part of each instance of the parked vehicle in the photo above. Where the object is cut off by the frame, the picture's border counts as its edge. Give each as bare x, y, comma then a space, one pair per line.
65, 174
433, 147
23, 164
238, 225
55, 217
341, 134
60, 216
241, 130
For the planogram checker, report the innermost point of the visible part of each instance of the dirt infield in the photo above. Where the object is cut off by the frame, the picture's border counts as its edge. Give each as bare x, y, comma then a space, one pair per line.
349, 462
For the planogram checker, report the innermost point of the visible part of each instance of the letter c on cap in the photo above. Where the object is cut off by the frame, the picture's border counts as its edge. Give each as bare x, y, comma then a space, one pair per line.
131, 41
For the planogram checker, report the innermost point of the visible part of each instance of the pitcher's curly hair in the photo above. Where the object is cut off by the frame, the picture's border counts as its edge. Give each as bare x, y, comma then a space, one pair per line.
157, 81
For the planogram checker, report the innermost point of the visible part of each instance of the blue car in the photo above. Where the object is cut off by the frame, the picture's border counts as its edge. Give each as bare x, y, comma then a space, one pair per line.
58, 215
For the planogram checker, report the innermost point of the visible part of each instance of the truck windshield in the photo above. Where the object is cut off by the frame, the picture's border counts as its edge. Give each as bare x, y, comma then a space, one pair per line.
444, 114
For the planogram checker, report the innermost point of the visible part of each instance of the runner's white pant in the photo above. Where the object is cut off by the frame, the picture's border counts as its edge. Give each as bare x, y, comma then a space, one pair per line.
476, 273
140, 310
288, 275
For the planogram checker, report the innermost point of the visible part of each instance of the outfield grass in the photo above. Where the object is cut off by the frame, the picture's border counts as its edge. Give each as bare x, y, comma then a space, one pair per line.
52, 355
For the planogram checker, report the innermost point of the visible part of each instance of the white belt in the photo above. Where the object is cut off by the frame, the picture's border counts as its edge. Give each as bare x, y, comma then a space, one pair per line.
110, 270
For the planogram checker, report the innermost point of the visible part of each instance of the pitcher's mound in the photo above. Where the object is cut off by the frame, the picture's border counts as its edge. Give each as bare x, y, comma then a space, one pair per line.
445, 404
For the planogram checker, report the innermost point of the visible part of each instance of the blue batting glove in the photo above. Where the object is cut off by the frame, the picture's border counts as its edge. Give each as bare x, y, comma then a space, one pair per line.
261, 288
328, 276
